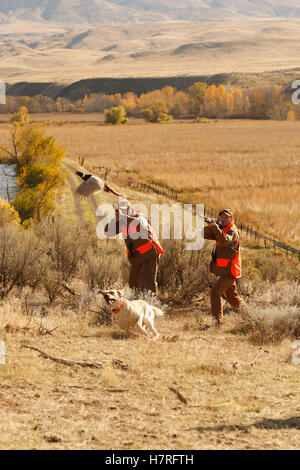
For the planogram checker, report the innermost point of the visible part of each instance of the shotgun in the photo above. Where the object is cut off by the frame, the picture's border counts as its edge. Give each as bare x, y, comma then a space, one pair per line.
209, 220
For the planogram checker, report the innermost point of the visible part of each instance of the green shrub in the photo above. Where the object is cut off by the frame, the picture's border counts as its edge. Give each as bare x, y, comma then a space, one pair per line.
203, 120
157, 113
116, 115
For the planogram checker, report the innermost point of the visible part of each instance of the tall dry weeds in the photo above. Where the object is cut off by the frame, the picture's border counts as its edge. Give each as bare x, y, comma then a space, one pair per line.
274, 314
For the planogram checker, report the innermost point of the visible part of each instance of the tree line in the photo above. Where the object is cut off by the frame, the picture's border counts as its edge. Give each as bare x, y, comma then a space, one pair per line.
200, 100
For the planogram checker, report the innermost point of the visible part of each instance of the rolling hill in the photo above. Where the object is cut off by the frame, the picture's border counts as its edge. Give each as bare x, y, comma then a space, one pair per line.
68, 40
148, 50
135, 11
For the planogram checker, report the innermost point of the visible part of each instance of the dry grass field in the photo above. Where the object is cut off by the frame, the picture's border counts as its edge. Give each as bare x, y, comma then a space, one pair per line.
230, 404
195, 387
251, 166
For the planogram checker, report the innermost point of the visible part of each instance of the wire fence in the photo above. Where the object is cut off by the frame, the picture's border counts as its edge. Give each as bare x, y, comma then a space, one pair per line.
246, 230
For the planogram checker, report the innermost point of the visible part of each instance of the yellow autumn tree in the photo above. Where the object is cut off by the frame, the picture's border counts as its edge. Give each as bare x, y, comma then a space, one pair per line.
258, 109
128, 101
197, 94
147, 100
181, 103
37, 159
115, 99
238, 101
290, 115
223, 102
167, 96
210, 101
8, 215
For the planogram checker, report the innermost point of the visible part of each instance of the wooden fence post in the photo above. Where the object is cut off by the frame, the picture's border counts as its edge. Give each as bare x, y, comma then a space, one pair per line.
209, 211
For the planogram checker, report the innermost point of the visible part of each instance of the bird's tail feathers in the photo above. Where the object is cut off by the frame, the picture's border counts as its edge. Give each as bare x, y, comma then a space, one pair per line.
108, 189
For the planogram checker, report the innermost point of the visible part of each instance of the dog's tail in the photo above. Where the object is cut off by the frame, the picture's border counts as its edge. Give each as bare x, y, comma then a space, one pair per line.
157, 311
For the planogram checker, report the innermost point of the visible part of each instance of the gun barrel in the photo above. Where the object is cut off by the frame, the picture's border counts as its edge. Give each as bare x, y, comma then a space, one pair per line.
207, 218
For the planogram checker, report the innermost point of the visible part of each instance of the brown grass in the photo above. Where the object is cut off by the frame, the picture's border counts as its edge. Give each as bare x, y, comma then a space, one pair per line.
250, 166
46, 405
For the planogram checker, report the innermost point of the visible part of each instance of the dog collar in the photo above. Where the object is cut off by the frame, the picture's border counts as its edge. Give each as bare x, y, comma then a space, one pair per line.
120, 306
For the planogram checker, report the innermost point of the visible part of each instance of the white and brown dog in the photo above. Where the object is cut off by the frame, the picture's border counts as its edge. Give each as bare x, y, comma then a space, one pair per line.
136, 316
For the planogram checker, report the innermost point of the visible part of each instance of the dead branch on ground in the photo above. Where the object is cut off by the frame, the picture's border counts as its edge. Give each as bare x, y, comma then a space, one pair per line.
99, 365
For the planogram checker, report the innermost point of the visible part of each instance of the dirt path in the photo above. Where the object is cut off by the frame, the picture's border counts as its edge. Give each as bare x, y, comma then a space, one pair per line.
91, 200
77, 205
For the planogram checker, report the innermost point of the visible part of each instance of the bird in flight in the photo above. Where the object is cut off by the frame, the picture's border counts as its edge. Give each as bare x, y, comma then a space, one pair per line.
92, 184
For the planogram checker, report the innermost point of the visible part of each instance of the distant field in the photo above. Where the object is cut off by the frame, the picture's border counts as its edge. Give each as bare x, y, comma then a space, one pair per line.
251, 166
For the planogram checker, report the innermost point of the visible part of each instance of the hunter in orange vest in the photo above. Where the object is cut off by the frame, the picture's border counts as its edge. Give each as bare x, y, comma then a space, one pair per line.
142, 245
226, 263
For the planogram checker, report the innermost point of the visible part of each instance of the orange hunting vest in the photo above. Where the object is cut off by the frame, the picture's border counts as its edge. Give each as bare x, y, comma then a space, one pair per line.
235, 262
143, 248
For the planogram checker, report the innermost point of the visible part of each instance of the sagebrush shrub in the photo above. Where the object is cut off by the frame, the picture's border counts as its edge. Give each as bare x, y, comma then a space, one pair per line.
183, 274
22, 259
102, 269
274, 313
273, 324
67, 244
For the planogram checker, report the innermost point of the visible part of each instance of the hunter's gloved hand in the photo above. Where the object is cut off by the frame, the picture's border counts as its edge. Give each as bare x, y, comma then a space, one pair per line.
210, 221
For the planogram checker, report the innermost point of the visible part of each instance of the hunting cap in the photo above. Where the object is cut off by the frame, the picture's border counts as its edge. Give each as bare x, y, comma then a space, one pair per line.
227, 212
125, 207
